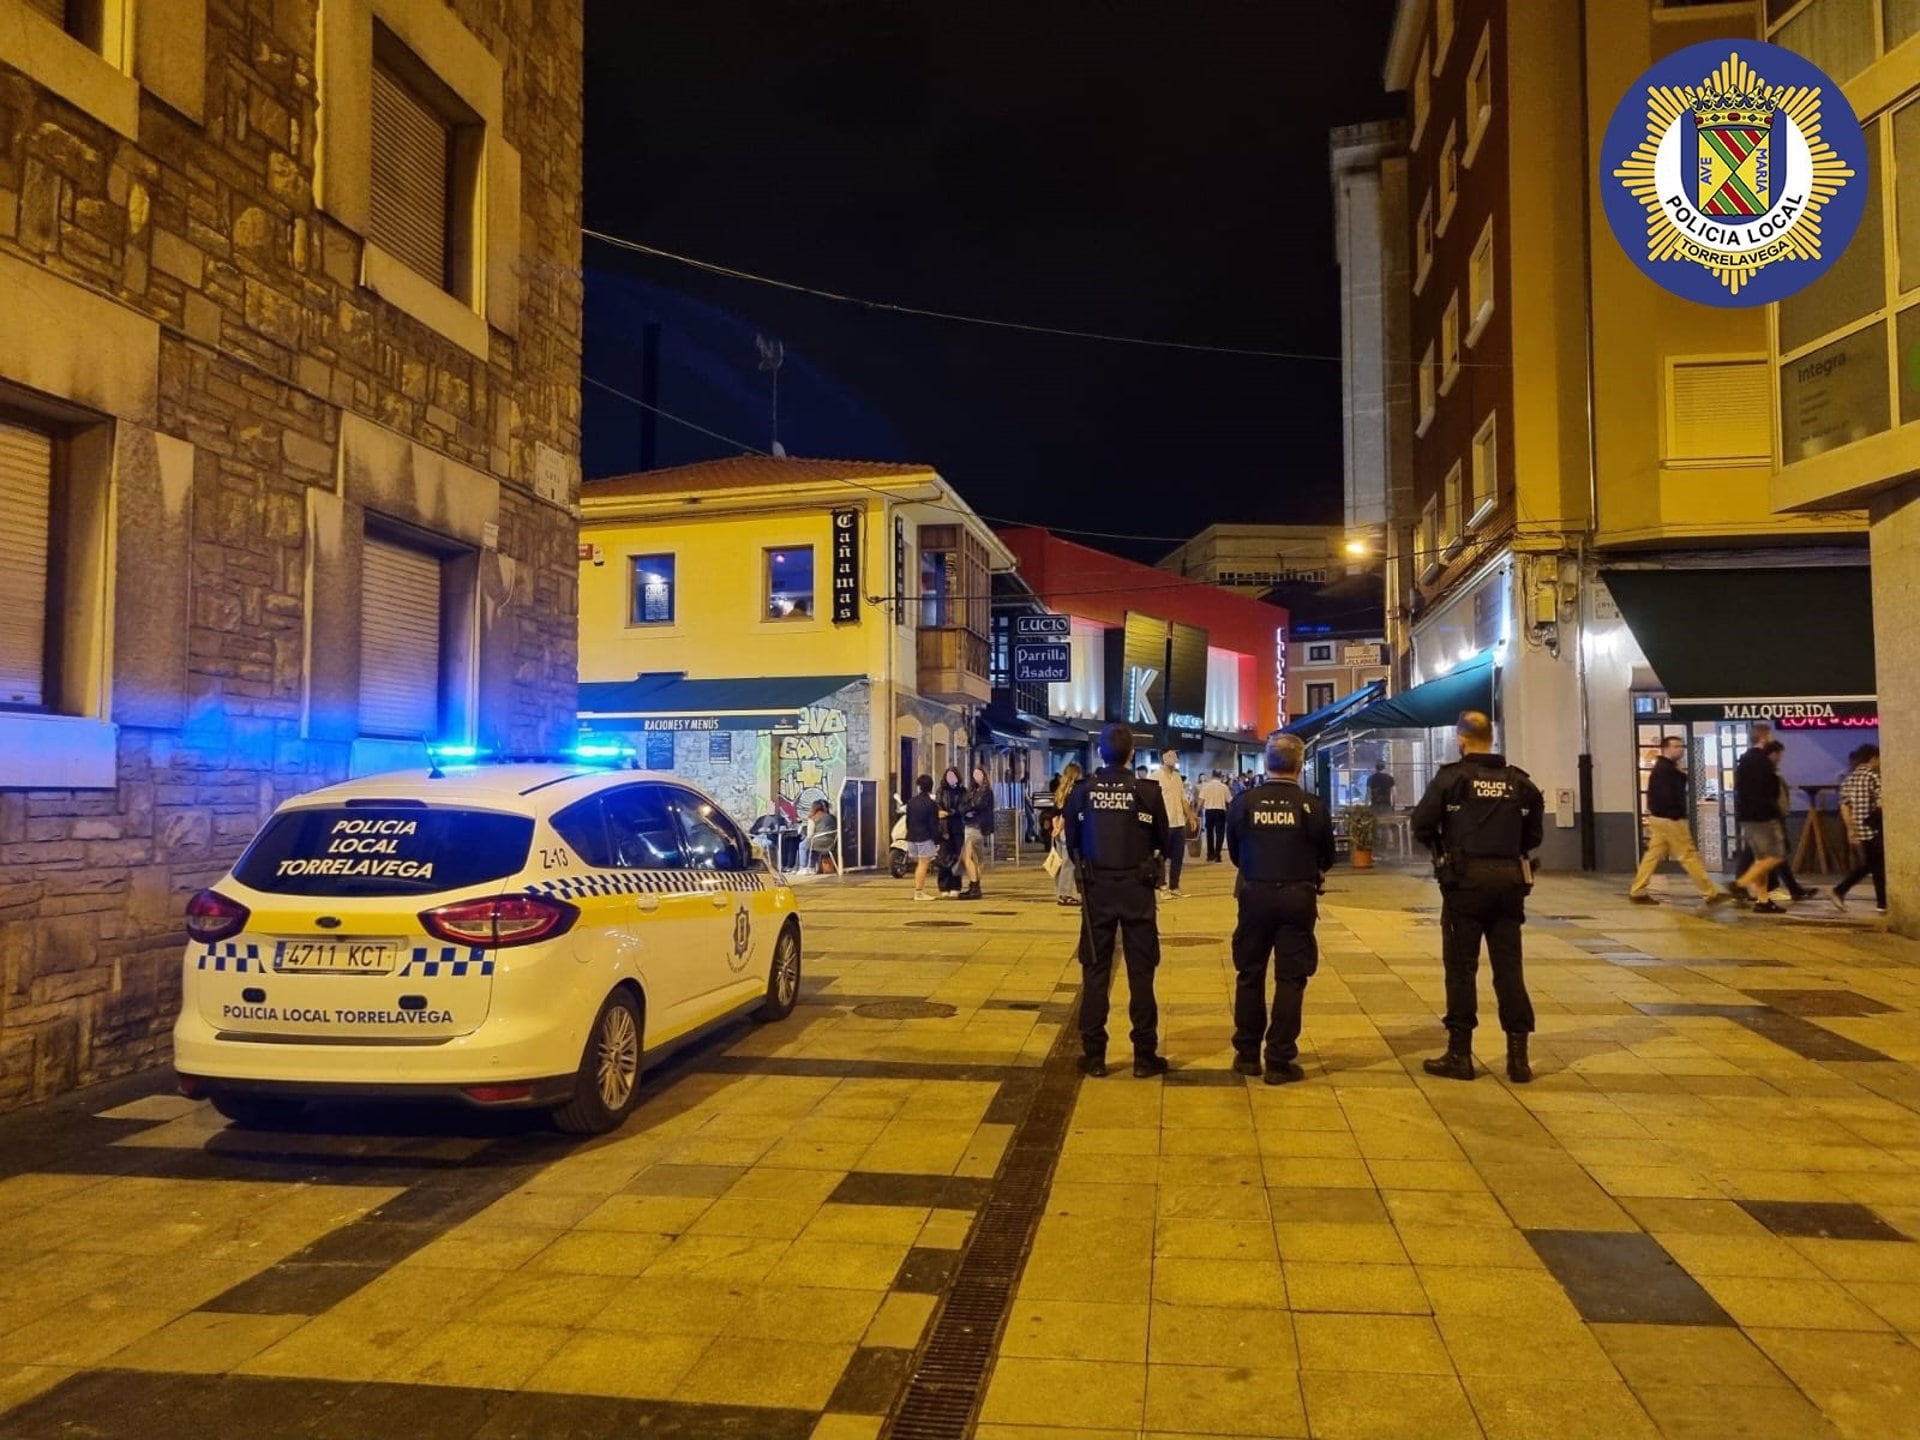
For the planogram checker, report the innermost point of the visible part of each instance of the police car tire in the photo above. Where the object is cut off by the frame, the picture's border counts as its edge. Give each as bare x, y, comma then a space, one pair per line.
257, 1112
588, 1113
781, 998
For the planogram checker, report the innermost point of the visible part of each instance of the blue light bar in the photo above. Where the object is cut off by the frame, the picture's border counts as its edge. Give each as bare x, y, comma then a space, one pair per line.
601, 752
454, 752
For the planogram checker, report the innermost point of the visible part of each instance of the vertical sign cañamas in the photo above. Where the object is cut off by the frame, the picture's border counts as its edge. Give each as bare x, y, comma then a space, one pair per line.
846, 567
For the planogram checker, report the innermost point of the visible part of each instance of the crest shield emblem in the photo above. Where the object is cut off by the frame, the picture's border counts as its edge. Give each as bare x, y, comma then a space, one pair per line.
1734, 149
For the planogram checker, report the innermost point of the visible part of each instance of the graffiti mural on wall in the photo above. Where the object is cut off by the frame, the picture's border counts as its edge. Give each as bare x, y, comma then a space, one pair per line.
813, 763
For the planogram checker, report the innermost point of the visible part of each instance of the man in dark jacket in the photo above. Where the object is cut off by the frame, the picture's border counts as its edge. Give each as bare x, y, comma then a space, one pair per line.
1481, 819
1763, 827
1668, 835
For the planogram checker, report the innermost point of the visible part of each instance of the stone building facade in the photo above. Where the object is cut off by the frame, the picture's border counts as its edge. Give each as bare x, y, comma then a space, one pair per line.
234, 399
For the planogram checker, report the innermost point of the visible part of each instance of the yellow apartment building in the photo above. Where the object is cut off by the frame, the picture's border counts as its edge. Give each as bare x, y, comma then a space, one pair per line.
1592, 534
785, 630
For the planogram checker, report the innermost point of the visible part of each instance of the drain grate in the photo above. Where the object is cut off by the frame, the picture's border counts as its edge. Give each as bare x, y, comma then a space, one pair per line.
938, 924
950, 1376
905, 1010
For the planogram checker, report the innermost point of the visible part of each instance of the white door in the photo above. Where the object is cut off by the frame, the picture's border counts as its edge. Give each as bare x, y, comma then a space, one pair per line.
734, 939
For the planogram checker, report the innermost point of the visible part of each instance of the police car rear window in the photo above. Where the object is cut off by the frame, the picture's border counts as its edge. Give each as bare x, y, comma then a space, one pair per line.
380, 850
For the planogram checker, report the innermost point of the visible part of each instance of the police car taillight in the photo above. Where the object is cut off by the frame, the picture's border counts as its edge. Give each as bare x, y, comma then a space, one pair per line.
212, 916
500, 921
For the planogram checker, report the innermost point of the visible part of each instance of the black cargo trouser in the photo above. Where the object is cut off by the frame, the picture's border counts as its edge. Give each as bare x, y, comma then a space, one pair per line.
1276, 923
1216, 821
1489, 904
1119, 902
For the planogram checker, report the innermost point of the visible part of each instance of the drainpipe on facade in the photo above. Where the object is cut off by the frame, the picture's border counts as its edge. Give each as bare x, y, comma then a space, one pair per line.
1589, 822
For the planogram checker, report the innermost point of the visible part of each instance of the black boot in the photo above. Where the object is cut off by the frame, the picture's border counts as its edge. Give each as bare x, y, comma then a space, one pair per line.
1094, 1065
1246, 1064
1145, 1067
1518, 1070
1457, 1063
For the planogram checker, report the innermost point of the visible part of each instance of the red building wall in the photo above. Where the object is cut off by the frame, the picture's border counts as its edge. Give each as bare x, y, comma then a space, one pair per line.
1093, 585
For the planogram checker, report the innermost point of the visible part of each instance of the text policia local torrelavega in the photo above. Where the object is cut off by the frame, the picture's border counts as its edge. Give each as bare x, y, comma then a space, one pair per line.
364, 847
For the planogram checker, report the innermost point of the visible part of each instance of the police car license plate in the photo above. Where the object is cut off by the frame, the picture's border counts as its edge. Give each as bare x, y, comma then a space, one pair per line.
339, 957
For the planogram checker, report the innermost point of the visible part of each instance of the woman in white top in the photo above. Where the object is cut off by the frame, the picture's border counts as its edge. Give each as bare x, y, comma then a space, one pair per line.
1173, 789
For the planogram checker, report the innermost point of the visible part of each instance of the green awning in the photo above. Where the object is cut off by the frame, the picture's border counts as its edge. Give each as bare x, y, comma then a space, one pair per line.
1753, 637
1434, 704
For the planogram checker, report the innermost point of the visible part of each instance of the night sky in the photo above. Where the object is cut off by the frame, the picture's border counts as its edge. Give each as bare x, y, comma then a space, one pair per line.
1144, 169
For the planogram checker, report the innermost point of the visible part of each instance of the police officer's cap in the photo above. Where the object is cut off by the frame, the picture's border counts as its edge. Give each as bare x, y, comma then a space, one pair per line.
1116, 743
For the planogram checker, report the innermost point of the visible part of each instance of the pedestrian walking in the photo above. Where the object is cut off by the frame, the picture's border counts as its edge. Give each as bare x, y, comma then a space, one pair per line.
1065, 888
1481, 819
976, 820
1860, 810
1116, 832
1669, 837
1763, 830
923, 834
1281, 841
1180, 818
1215, 800
1380, 789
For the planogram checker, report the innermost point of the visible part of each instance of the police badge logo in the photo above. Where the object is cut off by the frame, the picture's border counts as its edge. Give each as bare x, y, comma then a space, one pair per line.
1734, 174
742, 939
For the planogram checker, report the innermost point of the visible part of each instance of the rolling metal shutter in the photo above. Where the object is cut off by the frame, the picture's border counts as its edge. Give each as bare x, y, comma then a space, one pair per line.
26, 486
399, 641
1722, 410
412, 149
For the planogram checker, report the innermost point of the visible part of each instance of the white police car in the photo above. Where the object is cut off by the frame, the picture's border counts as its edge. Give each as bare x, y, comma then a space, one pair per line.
511, 935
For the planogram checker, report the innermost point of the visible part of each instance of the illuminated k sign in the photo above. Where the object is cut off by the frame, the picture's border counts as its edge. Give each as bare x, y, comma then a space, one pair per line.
1143, 678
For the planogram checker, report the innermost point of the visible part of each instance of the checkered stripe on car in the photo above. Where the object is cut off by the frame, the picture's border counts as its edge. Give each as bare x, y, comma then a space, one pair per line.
430, 960
647, 882
232, 956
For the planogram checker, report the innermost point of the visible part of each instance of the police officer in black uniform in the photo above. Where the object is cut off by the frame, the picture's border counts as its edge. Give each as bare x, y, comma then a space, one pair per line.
1481, 818
1282, 841
1116, 832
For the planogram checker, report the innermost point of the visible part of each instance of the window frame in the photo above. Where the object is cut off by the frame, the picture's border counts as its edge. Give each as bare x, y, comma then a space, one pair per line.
1422, 96
1429, 539
1319, 652
1669, 428
462, 219
637, 621
644, 789
680, 800
378, 530
1479, 115
1445, 22
1328, 686
52, 564
1454, 516
767, 552
1423, 244
1450, 344
1429, 392
1486, 461
1479, 301
1449, 179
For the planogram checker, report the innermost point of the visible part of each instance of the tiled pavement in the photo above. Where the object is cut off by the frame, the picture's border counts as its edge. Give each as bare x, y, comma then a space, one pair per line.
1694, 1224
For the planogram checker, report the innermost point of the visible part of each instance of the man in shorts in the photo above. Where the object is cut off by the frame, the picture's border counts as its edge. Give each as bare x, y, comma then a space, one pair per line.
1763, 830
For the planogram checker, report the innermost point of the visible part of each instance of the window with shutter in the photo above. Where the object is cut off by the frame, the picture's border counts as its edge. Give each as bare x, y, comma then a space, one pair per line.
26, 493
399, 641
412, 176
1719, 410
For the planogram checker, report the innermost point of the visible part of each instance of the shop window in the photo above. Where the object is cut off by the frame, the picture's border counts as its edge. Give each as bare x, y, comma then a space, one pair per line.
1486, 471
1427, 391
654, 591
1319, 695
401, 680
1856, 284
425, 169
789, 583
1480, 285
1319, 655
1449, 179
1835, 395
1479, 95
1422, 96
1450, 343
1718, 410
1423, 245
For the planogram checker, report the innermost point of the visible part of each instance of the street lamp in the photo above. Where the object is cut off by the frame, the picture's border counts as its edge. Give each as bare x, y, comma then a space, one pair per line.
1356, 547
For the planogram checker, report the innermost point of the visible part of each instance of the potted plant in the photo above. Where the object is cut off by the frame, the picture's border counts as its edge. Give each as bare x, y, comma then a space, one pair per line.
1362, 825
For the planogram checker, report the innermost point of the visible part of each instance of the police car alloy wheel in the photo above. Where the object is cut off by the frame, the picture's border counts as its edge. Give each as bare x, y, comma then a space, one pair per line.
783, 980
609, 1080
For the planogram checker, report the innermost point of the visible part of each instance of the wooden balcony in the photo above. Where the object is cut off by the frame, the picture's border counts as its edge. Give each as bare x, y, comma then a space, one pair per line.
953, 665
